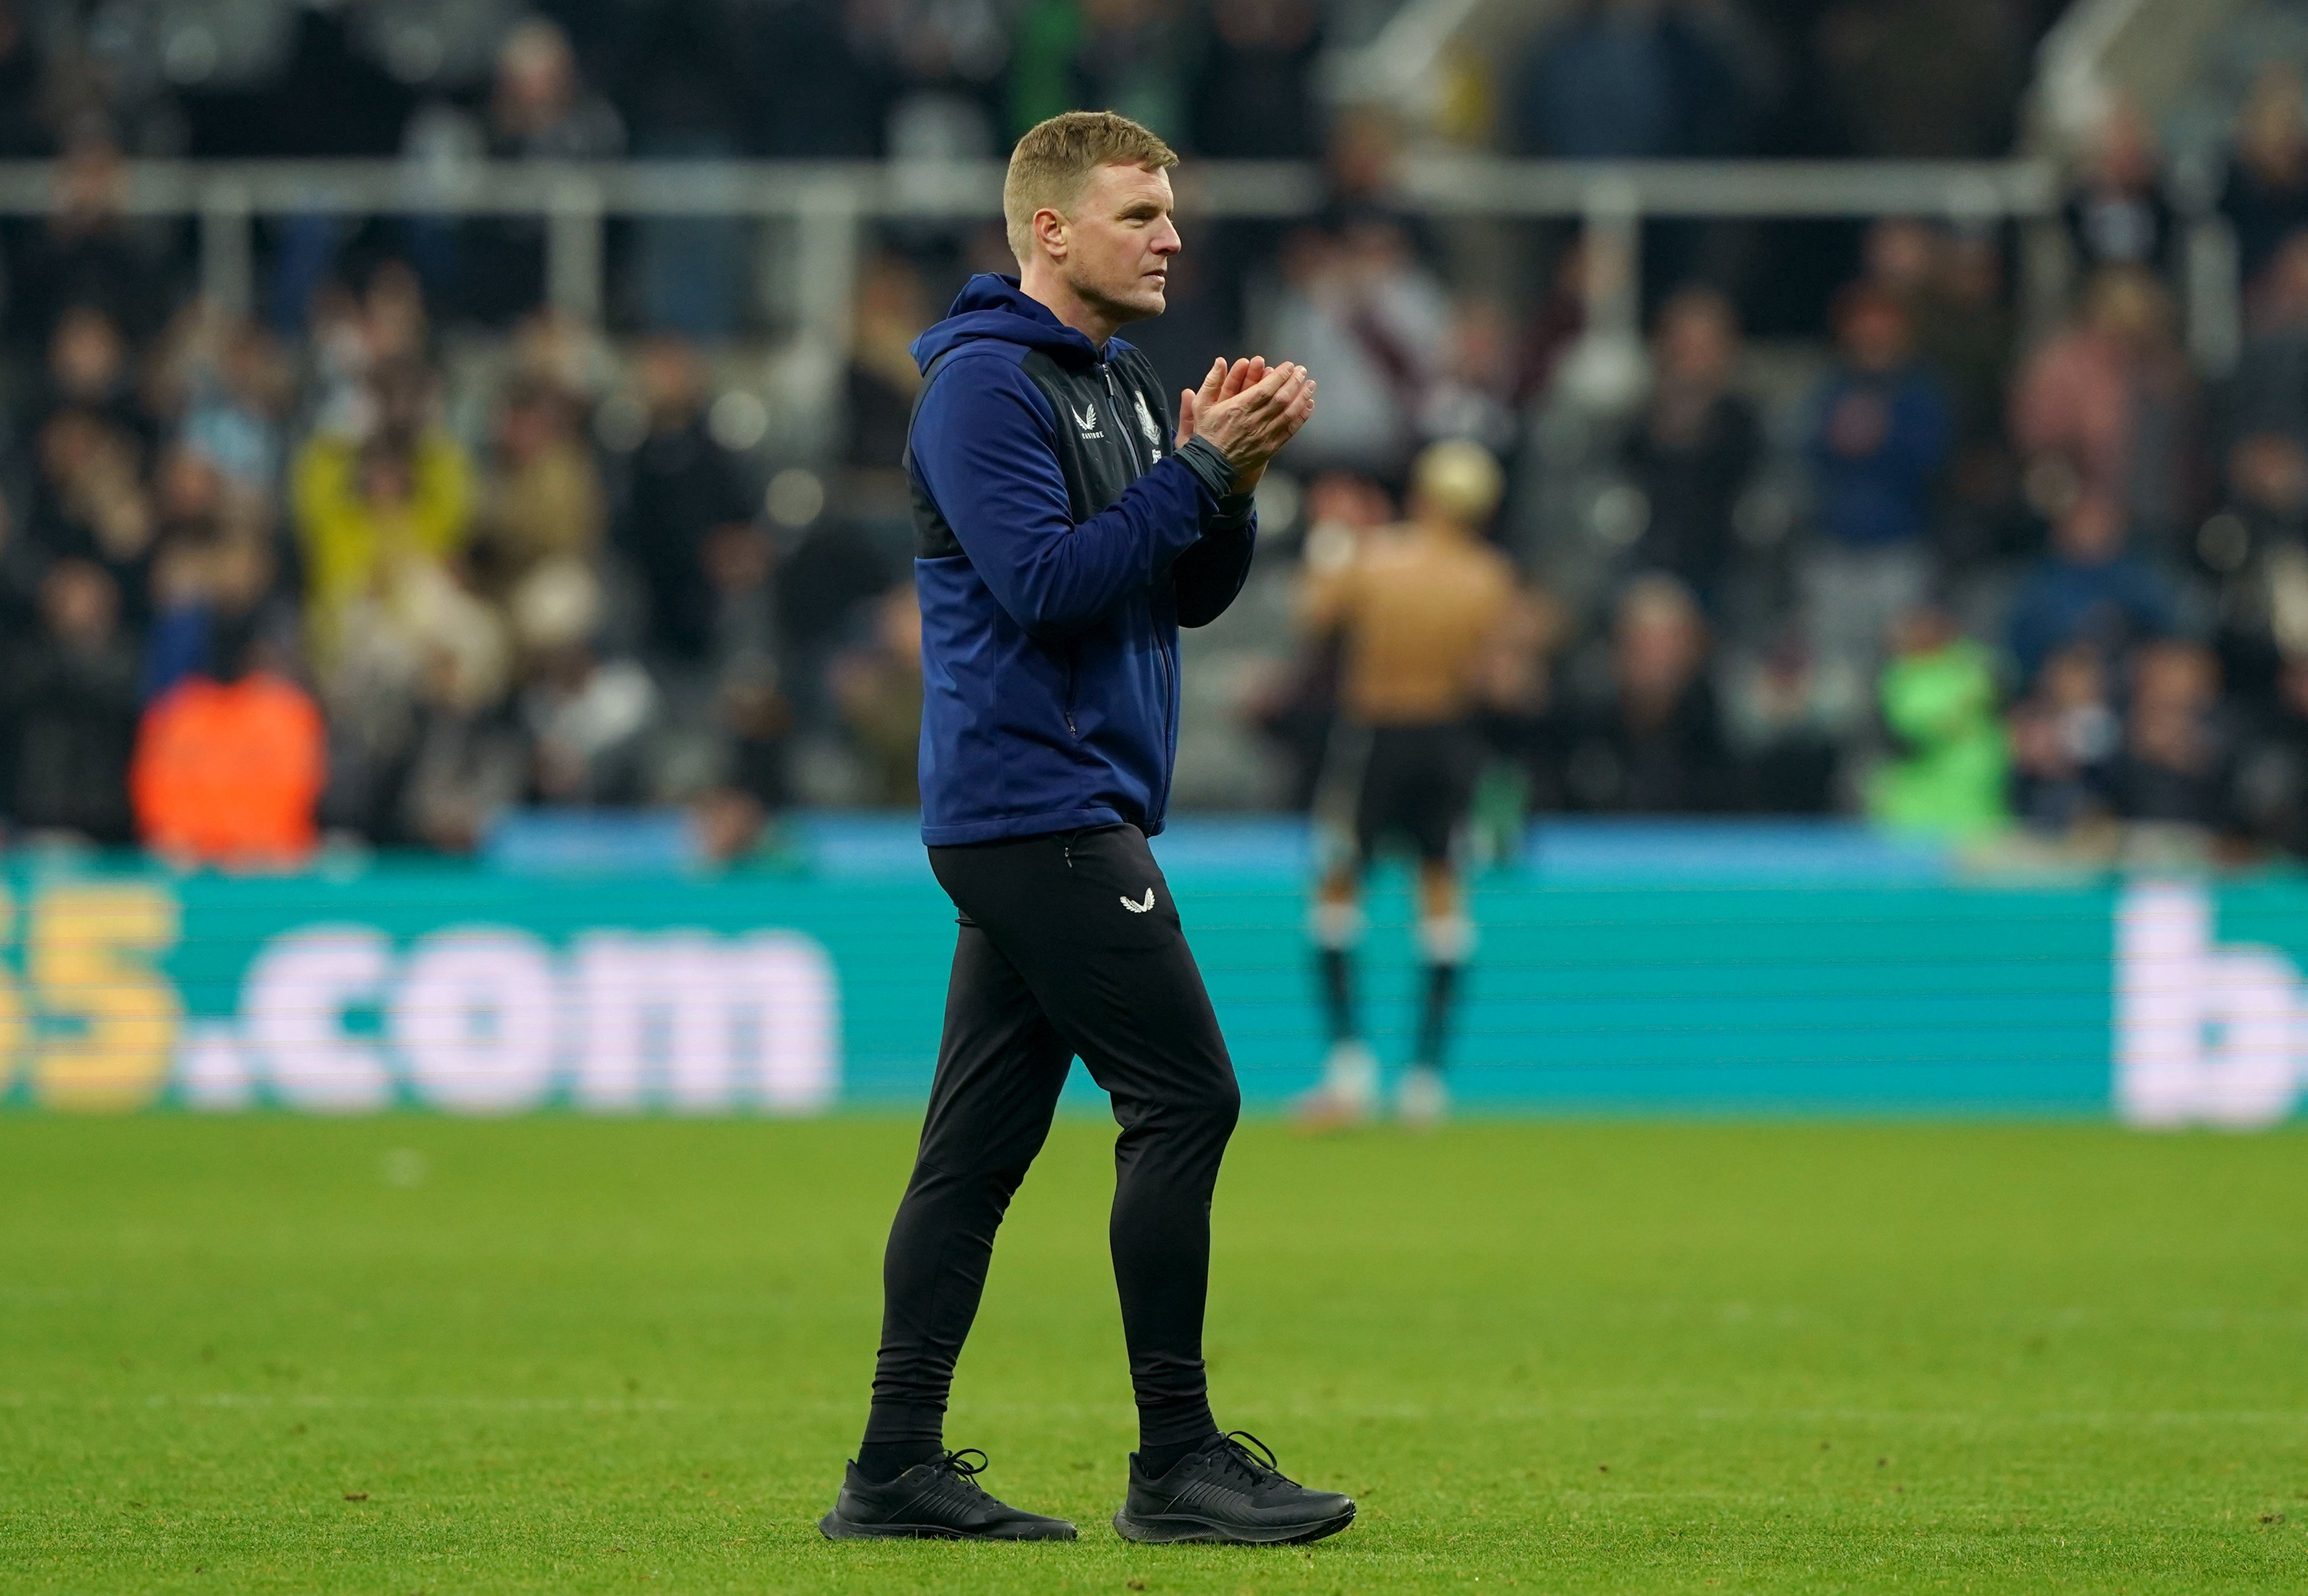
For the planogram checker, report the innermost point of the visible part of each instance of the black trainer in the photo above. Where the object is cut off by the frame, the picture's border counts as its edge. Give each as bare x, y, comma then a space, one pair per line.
939, 1500
1229, 1492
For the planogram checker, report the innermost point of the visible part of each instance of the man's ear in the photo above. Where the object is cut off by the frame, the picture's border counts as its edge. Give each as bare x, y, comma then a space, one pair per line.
1050, 231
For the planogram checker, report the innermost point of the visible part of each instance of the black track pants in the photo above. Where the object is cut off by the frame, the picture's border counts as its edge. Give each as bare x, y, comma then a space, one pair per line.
1070, 944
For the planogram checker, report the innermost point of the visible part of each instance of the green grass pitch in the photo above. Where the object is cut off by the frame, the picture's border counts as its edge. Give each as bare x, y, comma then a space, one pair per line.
414, 1354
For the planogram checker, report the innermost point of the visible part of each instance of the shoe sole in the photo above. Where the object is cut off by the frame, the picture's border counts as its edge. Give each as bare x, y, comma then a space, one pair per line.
834, 1527
1171, 1528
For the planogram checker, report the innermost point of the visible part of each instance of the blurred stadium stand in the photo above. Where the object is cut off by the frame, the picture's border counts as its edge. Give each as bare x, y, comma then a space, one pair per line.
1904, 400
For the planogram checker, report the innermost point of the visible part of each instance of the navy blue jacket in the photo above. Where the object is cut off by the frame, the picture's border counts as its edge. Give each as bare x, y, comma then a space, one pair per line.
1059, 546
1872, 501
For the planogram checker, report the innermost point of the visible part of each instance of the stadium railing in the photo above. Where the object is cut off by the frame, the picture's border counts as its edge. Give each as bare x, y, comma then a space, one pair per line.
830, 200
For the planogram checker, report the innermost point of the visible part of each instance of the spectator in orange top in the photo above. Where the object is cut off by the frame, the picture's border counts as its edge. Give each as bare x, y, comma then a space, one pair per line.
230, 764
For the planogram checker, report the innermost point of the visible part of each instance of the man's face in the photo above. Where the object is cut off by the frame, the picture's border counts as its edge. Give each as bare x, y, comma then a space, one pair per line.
1875, 337
1119, 240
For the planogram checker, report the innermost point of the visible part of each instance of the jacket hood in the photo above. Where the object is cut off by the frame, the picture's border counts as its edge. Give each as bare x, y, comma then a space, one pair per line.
995, 306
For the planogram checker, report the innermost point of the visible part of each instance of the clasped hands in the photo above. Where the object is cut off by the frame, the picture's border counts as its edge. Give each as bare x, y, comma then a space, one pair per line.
1247, 411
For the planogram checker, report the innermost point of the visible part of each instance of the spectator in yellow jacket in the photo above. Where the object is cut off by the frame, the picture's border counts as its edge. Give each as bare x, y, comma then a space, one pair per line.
369, 508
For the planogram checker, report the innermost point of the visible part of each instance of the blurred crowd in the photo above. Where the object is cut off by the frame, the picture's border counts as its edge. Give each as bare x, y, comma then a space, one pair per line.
251, 593
401, 552
444, 81
1976, 581
963, 78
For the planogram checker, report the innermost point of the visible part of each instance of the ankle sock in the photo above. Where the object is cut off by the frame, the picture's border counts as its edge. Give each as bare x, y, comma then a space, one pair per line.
1338, 981
1434, 1013
882, 1461
1154, 1462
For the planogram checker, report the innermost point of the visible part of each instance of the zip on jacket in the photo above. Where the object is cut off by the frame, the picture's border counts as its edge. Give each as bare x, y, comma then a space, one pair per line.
1165, 655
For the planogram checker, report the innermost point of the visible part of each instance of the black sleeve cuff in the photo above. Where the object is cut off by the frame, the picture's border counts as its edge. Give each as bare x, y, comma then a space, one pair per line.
1233, 514
1210, 467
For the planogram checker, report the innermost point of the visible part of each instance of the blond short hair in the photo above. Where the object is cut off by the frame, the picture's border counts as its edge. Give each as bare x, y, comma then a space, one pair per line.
1055, 158
1460, 479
